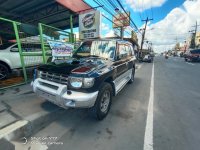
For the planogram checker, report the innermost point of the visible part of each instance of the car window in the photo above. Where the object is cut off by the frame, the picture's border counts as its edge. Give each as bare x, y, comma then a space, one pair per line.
14, 48
5, 45
105, 49
198, 51
84, 49
130, 50
31, 47
122, 51
195, 51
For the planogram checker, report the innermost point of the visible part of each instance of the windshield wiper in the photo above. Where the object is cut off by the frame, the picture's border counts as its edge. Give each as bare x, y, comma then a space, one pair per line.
93, 56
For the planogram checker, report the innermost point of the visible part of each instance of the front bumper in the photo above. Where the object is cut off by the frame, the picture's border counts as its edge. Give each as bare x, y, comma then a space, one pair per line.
58, 94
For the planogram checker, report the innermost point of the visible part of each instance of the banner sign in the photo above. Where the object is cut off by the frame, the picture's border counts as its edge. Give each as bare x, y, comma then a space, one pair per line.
121, 20
90, 25
61, 49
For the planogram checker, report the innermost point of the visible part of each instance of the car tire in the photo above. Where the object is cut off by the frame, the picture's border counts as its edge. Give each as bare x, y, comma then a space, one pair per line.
132, 76
103, 102
4, 72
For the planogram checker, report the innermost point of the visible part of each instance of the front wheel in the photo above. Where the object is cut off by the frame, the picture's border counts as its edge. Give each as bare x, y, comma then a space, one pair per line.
4, 72
103, 102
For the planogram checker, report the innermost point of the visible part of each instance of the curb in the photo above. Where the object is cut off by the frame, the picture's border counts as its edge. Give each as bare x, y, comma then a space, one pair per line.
30, 125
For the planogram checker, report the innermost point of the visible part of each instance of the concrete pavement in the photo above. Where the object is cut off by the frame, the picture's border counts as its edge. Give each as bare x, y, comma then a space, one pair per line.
22, 113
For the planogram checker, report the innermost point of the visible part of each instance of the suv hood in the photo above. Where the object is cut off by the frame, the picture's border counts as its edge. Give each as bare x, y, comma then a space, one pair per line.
75, 66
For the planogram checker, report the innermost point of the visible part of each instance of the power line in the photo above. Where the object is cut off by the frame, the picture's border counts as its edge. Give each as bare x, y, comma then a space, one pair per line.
113, 23
99, 3
114, 5
127, 15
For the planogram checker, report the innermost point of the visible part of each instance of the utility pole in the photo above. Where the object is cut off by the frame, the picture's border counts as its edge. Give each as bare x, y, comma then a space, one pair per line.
193, 40
122, 32
143, 33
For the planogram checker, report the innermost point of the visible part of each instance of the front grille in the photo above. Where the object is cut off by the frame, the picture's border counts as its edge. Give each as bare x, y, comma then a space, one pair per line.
54, 77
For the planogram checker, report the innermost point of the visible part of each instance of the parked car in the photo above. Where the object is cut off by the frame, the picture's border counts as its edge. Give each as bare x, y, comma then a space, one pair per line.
148, 58
10, 58
98, 70
192, 55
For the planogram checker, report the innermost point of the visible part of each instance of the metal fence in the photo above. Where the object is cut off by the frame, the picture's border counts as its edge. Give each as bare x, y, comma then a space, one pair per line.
30, 48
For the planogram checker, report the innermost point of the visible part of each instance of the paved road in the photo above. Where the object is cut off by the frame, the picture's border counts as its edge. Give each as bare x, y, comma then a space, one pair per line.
176, 105
176, 110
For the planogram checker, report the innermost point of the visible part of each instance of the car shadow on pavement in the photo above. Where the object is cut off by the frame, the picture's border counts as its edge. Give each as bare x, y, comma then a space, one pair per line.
48, 106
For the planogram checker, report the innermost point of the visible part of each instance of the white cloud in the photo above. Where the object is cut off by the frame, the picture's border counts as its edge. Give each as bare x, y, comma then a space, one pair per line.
174, 26
111, 33
139, 5
105, 26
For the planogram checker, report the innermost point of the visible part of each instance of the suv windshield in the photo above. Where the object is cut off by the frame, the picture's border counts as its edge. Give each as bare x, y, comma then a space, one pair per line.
105, 49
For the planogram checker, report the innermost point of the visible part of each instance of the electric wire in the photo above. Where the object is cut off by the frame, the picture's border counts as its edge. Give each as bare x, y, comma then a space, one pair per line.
99, 3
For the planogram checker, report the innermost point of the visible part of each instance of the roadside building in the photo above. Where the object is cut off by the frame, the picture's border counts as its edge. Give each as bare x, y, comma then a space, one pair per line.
197, 39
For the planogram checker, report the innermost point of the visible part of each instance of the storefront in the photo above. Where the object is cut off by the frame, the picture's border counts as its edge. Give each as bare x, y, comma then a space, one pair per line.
27, 32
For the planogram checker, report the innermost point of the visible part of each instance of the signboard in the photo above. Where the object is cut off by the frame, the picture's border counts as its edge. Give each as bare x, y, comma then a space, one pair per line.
121, 20
90, 25
61, 49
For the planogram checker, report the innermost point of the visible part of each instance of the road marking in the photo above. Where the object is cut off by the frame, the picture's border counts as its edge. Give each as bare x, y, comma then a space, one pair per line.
148, 137
190, 63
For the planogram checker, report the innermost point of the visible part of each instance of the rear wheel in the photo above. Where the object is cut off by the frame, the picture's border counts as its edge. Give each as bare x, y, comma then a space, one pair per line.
103, 102
4, 72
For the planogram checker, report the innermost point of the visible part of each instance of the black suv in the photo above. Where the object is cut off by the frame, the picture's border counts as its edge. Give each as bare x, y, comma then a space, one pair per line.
98, 70
192, 55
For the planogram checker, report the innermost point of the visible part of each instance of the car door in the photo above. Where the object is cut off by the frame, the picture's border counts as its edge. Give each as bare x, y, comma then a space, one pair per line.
131, 57
121, 68
14, 56
121, 63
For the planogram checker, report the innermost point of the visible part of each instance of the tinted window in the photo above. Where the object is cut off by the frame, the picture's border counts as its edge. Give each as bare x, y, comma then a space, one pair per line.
195, 51
30, 47
122, 51
105, 49
130, 50
5, 45
14, 48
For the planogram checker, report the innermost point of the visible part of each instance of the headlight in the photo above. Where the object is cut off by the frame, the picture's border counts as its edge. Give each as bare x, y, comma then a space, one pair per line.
77, 82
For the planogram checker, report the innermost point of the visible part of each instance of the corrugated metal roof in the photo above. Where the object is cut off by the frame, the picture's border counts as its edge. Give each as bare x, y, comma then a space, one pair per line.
33, 11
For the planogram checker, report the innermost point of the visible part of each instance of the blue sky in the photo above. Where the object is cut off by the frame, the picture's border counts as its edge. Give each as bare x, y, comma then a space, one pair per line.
172, 19
157, 13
